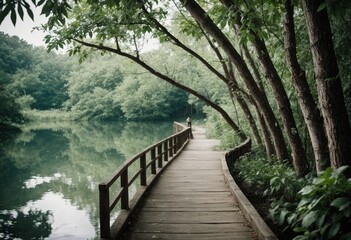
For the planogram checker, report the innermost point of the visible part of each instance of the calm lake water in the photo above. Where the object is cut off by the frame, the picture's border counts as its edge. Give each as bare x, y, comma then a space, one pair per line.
49, 175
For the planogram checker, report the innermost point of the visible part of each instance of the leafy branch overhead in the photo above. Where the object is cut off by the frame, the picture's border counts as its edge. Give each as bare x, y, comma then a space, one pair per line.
15, 8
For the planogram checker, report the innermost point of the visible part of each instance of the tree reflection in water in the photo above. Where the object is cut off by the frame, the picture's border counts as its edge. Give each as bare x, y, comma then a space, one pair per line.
57, 166
35, 224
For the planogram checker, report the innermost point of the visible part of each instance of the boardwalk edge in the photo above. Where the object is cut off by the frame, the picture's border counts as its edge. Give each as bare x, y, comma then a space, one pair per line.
260, 227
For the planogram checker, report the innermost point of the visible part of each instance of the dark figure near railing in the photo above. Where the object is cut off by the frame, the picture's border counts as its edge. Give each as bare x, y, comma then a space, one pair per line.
188, 120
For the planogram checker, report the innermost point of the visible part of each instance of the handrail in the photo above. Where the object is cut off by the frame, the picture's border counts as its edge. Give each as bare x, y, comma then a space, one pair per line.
161, 153
232, 155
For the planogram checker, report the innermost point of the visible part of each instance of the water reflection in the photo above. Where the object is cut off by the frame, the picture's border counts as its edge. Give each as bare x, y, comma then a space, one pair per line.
50, 172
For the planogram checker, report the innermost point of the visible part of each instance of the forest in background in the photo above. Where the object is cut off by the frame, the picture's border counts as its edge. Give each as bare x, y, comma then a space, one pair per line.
36, 84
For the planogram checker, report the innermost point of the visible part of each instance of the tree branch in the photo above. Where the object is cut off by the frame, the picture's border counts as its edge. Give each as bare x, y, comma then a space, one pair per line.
169, 80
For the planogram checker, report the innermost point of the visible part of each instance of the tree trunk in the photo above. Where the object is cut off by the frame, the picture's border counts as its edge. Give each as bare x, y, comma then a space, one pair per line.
307, 104
202, 17
265, 132
235, 91
298, 153
246, 110
330, 94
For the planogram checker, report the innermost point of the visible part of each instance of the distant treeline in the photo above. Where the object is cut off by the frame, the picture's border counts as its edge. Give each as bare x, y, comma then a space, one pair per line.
101, 88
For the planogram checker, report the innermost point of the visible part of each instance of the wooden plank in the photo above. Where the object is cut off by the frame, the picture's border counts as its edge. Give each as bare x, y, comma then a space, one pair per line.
189, 228
186, 204
196, 188
170, 193
201, 208
189, 236
191, 217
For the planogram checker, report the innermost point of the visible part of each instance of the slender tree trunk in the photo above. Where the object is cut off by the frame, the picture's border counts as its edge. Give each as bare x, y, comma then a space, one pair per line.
245, 108
235, 91
307, 104
298, 153
330, 94
265, 132
254, 69
202, 17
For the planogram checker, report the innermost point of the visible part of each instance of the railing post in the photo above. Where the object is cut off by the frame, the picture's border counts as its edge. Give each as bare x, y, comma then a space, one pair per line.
175, 143
143, 170
178, 142
165, 150
153, 163
125, 193
159, 153
170, 145
104, 200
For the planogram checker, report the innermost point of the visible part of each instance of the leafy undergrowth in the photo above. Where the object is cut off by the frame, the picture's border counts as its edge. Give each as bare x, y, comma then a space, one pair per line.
313, 207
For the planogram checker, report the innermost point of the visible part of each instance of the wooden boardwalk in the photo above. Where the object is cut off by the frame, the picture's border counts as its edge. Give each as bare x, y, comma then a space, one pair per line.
191, 200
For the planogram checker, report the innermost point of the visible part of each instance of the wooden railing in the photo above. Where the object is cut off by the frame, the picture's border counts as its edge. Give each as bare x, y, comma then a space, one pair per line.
154, 158
234, 154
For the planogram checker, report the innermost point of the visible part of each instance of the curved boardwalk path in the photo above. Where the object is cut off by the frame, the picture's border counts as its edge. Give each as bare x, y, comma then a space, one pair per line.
191, 200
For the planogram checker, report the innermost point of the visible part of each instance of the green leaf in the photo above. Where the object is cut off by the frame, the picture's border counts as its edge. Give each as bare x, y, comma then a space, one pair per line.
309, 219
282, 216
46, 9
347, 212
334, 229
30, 13
341, 203
342, 169
41, 2
307, 190
300, 237
13, 17
6, 11
20, 11
321, 218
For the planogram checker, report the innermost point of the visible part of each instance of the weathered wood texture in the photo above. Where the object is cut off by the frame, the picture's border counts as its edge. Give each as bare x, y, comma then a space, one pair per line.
191, 200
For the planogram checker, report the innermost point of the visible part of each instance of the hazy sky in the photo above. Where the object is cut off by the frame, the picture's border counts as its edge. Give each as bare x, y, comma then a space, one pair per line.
23, 29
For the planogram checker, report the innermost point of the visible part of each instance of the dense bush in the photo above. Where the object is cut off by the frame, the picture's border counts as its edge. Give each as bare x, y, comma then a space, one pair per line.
325, 207
315, 207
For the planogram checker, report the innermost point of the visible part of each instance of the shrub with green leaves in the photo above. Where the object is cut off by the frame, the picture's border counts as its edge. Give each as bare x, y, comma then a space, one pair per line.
325, 207
274, 179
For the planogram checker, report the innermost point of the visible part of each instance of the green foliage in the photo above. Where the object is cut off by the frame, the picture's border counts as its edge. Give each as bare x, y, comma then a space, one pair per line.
14, 54
91, 89
151, 98
30, 76
45, 81
49, 115
217, 128
325, 207
14, 7
316, 208
274, 179
9, 109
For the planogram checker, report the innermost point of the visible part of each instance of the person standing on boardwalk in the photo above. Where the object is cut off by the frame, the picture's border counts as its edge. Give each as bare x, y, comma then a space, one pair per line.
188, 120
